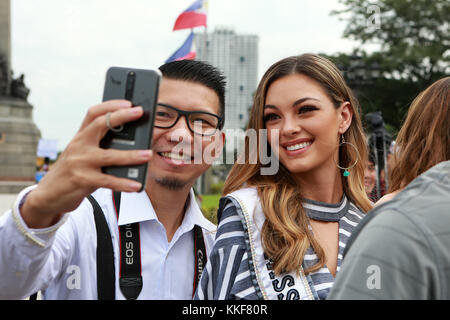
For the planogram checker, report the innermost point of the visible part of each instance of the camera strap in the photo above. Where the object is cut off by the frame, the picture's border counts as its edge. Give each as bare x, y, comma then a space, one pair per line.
199, 256
106, 275
130, 277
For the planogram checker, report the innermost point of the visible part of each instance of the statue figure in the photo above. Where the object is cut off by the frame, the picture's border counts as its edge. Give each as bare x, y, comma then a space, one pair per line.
4, 79
18, 88
10, 86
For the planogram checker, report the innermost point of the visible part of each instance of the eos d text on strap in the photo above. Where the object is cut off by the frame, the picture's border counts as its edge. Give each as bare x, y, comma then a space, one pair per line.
130, 278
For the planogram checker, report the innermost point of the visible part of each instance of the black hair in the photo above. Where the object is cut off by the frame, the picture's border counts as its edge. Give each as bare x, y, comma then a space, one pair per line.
200, 72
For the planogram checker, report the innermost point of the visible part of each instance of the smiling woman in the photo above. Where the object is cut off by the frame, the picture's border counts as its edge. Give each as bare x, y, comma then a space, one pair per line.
282, 236
308, 126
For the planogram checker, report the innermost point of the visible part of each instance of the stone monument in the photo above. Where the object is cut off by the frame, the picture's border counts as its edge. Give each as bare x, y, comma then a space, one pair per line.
19, 135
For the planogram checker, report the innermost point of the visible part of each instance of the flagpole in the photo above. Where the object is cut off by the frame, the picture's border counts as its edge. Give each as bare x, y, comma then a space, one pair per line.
195, 15
205, 34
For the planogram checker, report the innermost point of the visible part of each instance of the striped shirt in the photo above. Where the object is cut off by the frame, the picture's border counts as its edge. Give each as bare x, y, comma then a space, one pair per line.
229, 273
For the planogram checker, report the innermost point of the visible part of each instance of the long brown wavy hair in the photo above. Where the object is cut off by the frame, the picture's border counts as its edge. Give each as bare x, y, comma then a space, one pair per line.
285, 233
424, 139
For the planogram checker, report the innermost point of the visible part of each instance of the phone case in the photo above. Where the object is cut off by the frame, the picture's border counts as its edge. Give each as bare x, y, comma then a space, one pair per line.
141, 88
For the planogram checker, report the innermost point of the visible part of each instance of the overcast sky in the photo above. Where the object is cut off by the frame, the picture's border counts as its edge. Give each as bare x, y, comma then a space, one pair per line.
65, 47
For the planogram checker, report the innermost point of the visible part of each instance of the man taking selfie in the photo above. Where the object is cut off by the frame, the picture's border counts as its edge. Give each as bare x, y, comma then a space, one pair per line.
154, 243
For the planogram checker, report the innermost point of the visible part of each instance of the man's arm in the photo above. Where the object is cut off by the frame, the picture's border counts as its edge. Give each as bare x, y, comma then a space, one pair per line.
77, 173
390, 259
31, 258
29, 255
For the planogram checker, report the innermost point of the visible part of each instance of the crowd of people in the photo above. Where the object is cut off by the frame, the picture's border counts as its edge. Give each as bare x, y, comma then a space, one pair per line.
316, 229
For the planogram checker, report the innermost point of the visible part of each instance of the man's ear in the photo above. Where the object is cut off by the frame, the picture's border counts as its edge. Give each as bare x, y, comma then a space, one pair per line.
223, 137
345, 116
220, 145
214, 149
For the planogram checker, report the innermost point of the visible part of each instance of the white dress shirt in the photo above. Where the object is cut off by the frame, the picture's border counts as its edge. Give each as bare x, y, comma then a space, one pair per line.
64, 265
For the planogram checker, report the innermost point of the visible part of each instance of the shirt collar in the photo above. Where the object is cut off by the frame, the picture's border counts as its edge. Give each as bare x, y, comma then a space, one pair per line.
194, 215
137, 207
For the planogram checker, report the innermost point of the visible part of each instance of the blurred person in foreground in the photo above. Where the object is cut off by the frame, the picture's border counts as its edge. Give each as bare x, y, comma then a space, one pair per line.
401, 249
423, 140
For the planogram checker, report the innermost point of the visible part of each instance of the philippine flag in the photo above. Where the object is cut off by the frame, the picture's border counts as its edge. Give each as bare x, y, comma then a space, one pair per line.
194, 16
186, 51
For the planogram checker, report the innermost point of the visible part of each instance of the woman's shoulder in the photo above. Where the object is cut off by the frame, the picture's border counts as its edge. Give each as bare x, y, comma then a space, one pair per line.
230, 228
236, 209
237, 201
243, 193
386, 198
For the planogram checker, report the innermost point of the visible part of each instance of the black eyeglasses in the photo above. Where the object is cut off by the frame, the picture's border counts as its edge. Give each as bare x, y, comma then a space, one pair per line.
199, 122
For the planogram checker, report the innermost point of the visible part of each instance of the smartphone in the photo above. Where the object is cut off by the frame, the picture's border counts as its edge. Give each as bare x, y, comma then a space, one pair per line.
141, 88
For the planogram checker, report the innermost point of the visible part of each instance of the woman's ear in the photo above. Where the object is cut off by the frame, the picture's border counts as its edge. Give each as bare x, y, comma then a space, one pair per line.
345, 116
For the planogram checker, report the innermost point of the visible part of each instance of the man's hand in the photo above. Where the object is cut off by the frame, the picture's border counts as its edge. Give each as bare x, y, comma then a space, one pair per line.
77, 173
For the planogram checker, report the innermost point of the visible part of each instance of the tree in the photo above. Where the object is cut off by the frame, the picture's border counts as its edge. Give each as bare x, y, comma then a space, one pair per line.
377, 93
413, 40
413, 35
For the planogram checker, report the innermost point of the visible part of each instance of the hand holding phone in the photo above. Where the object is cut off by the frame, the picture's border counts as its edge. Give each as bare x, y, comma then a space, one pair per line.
141, 88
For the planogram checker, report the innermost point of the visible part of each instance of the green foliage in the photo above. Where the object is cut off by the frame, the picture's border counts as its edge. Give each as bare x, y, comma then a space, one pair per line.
390, 96
217, 187
210, 214
414, 35
210, 204
414, 51
210, 200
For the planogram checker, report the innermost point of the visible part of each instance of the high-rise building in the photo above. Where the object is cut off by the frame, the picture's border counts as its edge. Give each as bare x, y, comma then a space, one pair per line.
237, 57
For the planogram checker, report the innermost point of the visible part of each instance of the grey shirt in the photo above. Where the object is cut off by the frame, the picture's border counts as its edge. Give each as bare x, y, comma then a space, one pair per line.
403, 252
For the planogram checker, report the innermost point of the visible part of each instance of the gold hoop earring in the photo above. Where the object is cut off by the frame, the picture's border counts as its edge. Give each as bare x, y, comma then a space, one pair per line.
346, 172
